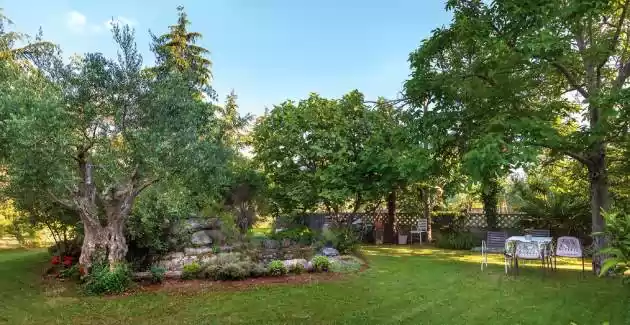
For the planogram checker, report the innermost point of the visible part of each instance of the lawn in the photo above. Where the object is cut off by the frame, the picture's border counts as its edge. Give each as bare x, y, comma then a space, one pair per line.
402, 286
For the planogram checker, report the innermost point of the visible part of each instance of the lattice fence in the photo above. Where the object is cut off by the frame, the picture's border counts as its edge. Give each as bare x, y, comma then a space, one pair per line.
468, 221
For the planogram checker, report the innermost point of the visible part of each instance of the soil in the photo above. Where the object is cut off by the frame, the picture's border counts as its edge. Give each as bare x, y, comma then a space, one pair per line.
180, 287
194, 286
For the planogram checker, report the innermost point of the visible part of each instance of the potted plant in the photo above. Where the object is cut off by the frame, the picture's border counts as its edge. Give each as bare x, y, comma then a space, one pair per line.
403, 233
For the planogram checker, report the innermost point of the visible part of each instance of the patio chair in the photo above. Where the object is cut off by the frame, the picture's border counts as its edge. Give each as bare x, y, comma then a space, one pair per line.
421, 227
529, 251
567, 246
540, 232
494, 243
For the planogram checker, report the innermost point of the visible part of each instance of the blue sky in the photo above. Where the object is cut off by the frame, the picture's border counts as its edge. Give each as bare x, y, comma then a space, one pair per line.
268, 50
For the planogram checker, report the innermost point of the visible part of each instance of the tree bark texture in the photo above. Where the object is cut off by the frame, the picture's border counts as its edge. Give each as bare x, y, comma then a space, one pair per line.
489, 193
599, 202
104, 216
388, 235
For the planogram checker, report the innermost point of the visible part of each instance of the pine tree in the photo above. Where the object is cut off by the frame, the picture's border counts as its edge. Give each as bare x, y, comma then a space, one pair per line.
233, 124
177, 50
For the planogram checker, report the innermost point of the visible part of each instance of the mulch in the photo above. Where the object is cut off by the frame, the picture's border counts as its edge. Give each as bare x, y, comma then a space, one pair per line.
182, 287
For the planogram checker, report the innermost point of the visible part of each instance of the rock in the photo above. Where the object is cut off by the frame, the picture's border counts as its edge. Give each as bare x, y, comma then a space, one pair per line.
176, 261
216, 235
290, 264
190, 251
329, 251
194, 224
201, 238
270, 244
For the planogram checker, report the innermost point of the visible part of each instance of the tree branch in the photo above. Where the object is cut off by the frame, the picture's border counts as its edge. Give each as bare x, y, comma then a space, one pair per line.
570, 78
145, 185
615, 40
65, 203
581, 158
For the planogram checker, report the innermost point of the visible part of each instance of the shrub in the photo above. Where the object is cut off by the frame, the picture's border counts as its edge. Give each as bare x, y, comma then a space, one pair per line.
301, 234
228, 266
297, 268
457, 240
157, 274
344, 239
72, 272
277, 268
320, 263
102, 280
618, 251
259, 270
234, 271
346, 264
191, 271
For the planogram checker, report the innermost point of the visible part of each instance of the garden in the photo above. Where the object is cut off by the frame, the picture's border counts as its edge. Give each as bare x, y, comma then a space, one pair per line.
493, 190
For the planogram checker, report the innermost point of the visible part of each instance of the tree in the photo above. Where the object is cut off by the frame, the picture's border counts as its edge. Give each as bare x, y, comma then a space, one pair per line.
232, 129
338, 155
103, 132
178, 51
508, 65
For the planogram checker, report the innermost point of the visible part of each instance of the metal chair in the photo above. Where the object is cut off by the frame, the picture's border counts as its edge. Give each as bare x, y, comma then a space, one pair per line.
529, 251
568, 246
494, 243
540, 232
421, 227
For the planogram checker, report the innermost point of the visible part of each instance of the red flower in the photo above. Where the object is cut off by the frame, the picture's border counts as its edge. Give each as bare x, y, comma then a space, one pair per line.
55, 260
82, 270
67, 260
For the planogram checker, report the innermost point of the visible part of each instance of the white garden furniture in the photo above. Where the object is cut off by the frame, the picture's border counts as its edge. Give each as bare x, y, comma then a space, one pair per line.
421, 227
528, 248
568, 247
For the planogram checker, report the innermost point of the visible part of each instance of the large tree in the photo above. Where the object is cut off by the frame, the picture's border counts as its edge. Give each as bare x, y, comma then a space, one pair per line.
102, 132
544, 74
338, 154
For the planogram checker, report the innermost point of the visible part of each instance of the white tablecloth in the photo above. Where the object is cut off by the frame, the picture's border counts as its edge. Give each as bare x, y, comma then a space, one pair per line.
539, 240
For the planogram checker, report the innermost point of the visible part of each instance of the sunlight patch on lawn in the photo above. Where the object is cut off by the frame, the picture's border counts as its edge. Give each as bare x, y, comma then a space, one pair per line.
460, 256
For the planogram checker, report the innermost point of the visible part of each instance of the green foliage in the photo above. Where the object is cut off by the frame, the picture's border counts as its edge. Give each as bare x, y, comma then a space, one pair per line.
102, 280
334, 153
276, 268
554, 197
191, 271
344, 239
112, 129
320, 263
494, 83
301, 234
346, 264
617, 253
177, 51
259, 269
229, 266
73, 272
297, 268
456, 240
157, 273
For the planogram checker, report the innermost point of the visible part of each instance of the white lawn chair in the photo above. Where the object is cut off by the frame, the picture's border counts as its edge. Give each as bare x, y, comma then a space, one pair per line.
568, 247
529, 251
421, 227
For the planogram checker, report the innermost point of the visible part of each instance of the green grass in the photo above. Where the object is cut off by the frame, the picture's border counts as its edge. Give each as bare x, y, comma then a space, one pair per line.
402, 286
